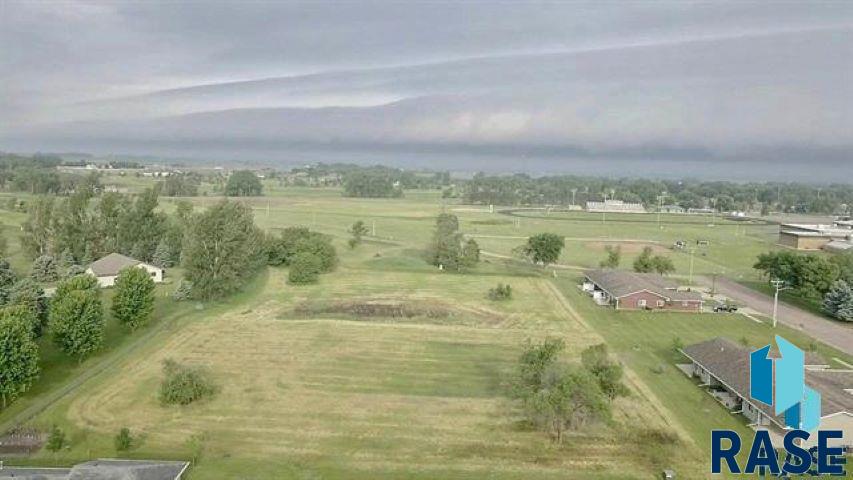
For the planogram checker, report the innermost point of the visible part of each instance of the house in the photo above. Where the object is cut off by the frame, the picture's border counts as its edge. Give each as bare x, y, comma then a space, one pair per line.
722, 366
639, 291
813, 236
104, 469
615, 206
107, 269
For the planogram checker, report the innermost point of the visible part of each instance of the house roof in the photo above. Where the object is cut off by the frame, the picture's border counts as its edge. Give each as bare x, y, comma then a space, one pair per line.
620, 283
102, 470
729, 363
112, 264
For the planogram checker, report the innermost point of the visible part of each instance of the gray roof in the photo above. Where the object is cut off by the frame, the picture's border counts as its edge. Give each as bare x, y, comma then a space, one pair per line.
112, 264
729, 363
619, 283
102, 470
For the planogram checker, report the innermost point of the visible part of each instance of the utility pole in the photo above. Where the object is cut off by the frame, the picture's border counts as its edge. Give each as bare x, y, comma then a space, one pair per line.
692, 251
373, 229
574, 191
660, 206
780, 285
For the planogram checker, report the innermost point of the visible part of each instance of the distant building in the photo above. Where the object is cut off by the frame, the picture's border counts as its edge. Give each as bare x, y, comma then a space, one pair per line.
701, 211
104, 469
671, 209
108, 268
615, 206
625, 290
723, 368
813, 236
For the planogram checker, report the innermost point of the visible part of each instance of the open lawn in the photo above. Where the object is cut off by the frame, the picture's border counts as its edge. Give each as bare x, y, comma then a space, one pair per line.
338, 395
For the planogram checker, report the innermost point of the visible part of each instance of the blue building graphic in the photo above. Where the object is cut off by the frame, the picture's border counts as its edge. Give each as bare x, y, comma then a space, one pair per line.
780, 383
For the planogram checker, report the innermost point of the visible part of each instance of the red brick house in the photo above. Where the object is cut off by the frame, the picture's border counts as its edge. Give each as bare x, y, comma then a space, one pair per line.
625, 290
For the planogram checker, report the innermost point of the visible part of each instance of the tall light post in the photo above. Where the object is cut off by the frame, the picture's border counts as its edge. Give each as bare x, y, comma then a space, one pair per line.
574, 191
604, 209
780, 285
661, 197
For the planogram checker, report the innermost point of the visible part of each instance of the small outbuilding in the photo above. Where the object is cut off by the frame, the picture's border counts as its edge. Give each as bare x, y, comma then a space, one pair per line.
106, 269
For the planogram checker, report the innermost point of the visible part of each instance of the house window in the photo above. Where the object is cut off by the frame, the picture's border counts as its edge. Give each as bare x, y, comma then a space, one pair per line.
641, 302
661, 303
153, 274
685, 304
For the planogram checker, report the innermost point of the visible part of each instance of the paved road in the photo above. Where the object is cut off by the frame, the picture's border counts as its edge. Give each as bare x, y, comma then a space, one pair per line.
829, 332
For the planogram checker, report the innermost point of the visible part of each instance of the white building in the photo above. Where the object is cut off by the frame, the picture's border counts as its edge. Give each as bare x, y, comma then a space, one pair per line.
108, 268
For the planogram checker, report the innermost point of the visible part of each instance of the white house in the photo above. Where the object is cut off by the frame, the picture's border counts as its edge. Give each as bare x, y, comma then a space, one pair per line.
107, 269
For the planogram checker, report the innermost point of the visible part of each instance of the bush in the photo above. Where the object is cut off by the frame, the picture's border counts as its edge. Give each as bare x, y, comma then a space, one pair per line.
501, 292
184, 384
304, 269
123, 440
183, 291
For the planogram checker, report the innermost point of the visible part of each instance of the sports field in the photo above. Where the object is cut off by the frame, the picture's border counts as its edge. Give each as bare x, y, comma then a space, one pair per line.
323, 382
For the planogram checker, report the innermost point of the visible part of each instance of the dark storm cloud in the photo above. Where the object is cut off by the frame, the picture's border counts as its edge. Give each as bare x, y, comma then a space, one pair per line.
707, 81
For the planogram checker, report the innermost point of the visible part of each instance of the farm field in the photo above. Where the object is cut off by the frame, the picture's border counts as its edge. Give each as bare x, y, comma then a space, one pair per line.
331, 381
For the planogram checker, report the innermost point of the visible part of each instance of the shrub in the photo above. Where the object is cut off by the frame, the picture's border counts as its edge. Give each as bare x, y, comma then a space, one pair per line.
501, 292
184, 384
123, 440
304, 269
45, 269
183, 291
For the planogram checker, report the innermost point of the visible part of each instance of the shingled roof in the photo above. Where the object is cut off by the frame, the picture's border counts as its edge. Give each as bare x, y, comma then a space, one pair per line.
728, 362
112, 264
619, 283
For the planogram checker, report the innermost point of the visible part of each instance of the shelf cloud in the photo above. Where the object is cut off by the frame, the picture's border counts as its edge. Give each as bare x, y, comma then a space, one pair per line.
547, 83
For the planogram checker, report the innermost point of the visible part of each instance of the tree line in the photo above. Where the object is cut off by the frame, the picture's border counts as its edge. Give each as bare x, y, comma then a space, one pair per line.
521, 189
813, 277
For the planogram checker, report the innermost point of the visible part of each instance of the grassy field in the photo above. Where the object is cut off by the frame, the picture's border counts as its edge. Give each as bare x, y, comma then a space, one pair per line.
311, 389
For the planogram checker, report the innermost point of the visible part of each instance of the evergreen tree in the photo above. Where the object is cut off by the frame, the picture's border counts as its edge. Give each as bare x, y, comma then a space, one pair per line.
133, 301
837, 295
45, 269
162, 255
446, 247
7, 280
28, 294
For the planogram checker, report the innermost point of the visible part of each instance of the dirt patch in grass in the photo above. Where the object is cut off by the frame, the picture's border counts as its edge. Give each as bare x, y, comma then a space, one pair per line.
396, 308
627, 247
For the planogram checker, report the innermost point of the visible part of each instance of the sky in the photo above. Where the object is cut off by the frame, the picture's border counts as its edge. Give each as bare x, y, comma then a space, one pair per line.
700, 89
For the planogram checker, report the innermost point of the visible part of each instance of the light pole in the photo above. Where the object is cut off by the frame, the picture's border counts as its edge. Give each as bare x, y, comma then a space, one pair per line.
780, 285
574, 191
660, 205
604, 209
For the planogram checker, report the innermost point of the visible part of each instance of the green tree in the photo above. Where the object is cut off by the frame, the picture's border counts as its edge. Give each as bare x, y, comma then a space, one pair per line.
470, 253
304, 269
224, 250
663, 265
446, 248
7, 280
45, 269
357, 230
133, 301
162, 255
645, 263
18, 354
320, 246
535, 360
28, 294
501, 292
570, 398
76, 317
123, 440
56, 440
184, 384
614, 256
838, 301
544, 248
243, 183
606, 371
38, 237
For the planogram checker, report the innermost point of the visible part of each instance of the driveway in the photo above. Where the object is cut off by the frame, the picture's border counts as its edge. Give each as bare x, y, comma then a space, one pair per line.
827, 331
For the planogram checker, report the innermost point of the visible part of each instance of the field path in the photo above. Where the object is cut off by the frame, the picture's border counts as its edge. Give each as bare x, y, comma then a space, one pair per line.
827, 331
630, 376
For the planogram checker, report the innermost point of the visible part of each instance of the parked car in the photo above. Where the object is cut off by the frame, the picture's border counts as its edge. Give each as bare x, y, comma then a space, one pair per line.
725, 307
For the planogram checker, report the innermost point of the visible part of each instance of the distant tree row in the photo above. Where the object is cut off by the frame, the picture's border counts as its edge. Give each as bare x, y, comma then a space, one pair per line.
371, 184
810, 276
522, 189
